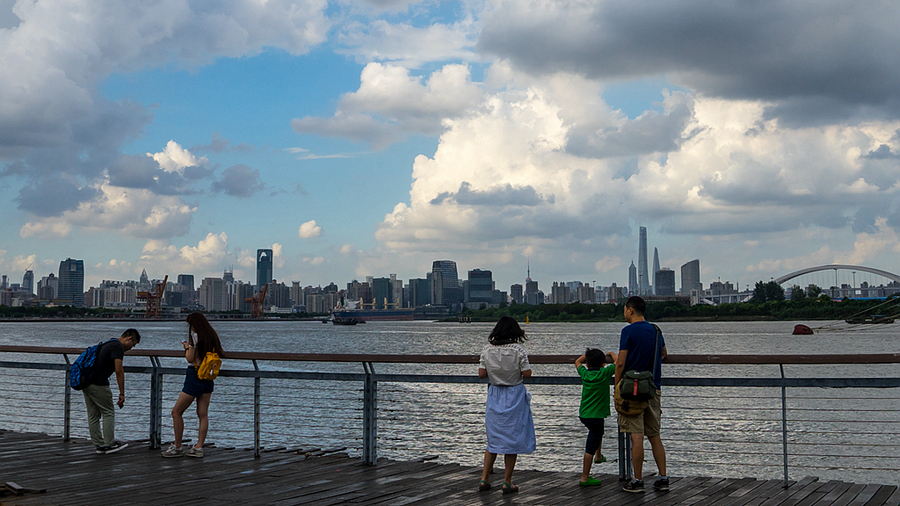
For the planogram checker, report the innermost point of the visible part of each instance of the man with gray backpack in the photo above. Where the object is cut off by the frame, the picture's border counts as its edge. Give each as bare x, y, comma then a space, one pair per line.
90, 373
641, 349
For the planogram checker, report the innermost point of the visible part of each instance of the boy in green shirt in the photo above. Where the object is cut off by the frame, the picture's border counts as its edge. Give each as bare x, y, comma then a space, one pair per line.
595, 373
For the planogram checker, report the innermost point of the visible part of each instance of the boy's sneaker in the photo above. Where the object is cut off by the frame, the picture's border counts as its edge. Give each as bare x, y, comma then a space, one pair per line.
115, 447
194, 452
661, 484
172, 451
634, 486
591, 482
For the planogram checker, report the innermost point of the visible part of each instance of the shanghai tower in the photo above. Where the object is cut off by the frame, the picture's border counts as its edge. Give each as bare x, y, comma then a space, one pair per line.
643, 278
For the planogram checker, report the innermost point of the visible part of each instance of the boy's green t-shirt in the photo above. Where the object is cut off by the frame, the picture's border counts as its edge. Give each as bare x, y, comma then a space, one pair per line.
595, 391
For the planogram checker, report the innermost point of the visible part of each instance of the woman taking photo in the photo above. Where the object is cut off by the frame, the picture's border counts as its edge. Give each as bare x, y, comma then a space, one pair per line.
202, 338
507, 418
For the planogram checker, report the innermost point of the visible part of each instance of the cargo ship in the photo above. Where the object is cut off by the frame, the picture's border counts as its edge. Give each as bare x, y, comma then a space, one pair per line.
373, 315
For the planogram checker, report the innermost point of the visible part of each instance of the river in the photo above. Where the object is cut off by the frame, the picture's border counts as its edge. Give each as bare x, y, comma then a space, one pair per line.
708, 431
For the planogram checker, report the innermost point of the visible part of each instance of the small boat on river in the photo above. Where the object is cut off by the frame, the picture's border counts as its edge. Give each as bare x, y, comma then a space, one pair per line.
802, 330
875, 318
344, 321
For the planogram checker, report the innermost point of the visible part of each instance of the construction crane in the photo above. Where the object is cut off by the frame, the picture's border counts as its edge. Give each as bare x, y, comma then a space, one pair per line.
256, 303
154, 299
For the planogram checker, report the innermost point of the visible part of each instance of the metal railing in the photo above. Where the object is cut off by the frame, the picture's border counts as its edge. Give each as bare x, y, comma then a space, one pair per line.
408, 415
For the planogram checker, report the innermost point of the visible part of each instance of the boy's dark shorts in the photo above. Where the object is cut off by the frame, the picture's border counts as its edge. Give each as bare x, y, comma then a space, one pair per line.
595, 434
194, 386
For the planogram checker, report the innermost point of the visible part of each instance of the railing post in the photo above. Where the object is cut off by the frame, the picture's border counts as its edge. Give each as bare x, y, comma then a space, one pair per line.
370, 416
784, 442
68, 401
156, 389
257, 394
625, 470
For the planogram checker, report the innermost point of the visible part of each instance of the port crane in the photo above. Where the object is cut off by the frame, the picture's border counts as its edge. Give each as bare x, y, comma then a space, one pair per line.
154, 299
256, 303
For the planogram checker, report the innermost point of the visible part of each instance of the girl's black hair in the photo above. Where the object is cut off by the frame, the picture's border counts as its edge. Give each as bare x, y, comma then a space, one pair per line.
207, 338
507, 331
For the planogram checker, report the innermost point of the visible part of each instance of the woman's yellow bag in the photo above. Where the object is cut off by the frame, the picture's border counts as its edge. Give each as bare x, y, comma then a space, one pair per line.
209, 368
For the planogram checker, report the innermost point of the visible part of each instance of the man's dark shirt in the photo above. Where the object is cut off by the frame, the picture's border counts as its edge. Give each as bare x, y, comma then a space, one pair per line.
106, 361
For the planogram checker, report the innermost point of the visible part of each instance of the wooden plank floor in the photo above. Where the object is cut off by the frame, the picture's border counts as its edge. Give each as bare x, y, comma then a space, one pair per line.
73, 474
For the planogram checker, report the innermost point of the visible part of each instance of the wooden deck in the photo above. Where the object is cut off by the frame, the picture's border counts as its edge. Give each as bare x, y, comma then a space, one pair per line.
71, 473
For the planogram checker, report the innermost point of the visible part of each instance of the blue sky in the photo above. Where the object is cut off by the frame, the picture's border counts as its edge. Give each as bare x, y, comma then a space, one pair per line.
364, 138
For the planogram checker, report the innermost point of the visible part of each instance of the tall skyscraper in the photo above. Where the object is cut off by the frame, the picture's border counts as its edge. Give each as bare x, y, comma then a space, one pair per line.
516, 293
655, 269
444, 283
28, 282
632, 280
643, 271
481, 286
690, 277
187, 281
666, 279
263, 267
419, 294
71, 282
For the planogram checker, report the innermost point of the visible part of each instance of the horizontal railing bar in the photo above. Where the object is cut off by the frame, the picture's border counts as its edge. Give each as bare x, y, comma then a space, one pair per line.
876, 358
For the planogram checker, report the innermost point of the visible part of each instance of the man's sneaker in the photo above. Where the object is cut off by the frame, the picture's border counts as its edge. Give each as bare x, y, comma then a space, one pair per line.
634, 486
115, 447
661, 484
172, 451
101, 449
194, 452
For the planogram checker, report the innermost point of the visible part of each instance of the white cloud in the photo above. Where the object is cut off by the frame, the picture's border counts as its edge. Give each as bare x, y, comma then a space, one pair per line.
391, 104
346, 249
130, 212
407, 45
174, 158
309, 230
314, 260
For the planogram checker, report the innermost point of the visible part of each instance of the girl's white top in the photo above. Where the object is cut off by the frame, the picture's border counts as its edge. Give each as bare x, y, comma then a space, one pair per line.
504, 363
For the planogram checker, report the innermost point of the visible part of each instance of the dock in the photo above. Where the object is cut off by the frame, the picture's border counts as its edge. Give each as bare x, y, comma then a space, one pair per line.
37, 469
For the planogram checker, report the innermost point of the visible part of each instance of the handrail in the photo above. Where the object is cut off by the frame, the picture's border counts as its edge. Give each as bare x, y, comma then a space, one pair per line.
371, 378
823, 359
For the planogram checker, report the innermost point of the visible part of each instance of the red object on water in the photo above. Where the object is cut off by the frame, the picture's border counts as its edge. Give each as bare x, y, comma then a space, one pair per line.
802, 330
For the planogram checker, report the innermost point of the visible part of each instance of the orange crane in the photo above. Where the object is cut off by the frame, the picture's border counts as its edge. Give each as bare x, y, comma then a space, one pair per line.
256, 303
154, 299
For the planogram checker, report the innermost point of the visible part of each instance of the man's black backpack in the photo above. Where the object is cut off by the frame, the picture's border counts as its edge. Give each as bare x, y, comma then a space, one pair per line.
85, 366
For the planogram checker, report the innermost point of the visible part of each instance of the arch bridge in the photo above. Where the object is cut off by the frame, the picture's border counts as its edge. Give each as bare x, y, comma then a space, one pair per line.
836, 267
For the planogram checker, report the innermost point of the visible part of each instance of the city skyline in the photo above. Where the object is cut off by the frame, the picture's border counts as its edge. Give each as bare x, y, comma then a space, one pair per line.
372, 137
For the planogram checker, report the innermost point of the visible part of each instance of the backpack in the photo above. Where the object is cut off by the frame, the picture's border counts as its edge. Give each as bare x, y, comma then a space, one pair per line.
85, 366
209, 367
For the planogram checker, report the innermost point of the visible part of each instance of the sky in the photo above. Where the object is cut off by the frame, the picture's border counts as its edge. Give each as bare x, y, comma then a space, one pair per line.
371, 137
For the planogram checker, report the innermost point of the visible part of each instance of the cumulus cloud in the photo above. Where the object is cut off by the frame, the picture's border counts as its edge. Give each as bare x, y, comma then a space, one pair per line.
309, 230
239, 181
407, 45
131, 212
391, 103
811, 65
55, 125
719, 168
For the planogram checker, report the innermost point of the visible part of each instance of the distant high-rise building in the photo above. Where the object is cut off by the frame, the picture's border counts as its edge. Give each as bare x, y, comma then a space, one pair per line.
632, 279
28, 282
228, 275
655, 269
690, 277
666, 279
643, 278
187, 281
212, 294
71, 282
263, 267
516, 293
481, 286
533, 295
144, 280
419, 292
444, 283
382, 293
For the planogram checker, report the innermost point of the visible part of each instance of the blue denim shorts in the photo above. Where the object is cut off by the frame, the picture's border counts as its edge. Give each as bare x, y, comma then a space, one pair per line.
195, 386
